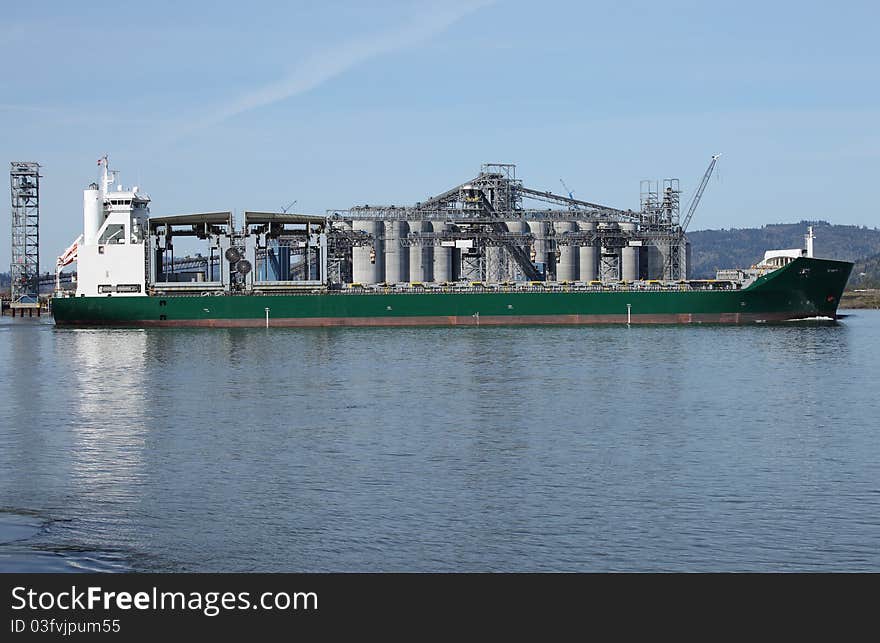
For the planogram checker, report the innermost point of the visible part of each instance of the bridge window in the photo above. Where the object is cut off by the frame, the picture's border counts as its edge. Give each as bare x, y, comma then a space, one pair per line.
113, 234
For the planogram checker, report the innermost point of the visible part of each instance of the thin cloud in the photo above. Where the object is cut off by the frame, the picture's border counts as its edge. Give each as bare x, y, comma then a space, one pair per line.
321, 66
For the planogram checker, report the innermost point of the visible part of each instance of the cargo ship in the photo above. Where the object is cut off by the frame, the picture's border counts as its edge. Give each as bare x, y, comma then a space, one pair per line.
279, 269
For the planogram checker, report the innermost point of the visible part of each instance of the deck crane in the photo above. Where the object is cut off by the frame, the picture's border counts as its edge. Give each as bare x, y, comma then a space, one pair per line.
674, 268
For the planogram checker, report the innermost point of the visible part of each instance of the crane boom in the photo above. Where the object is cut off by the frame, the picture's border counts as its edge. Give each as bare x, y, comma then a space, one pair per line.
695, 201
567, 190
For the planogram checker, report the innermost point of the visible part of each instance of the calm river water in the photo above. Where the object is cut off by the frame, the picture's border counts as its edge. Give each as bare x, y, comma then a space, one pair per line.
496, 449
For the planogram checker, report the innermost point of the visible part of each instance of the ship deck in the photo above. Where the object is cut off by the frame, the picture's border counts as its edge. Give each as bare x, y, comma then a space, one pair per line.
189, 290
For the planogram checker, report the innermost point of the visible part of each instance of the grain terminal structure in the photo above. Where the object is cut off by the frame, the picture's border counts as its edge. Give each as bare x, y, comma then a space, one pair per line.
494, 229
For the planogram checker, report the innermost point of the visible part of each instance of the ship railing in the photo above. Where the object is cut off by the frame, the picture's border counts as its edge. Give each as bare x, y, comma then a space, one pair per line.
537, 287
288, 285
186, 286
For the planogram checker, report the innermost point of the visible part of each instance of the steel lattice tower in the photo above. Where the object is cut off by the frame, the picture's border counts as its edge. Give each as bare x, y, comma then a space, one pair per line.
24, 181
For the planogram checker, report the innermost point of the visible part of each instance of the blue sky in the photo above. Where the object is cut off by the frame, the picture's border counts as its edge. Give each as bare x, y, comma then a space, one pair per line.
254, 105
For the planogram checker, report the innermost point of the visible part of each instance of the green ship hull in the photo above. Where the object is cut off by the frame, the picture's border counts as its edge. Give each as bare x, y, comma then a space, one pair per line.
805, 288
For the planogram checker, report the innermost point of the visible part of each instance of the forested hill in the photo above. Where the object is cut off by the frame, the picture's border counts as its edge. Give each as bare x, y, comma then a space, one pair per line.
866, 273
743, 247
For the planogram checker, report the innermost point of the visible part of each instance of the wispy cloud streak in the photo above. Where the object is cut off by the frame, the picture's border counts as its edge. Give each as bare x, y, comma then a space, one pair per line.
319, 67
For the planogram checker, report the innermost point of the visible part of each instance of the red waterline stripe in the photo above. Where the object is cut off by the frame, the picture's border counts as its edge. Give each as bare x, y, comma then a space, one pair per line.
468, 320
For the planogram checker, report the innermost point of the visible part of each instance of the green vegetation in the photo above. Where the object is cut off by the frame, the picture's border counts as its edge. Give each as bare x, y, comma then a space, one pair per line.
734, 248
866, 273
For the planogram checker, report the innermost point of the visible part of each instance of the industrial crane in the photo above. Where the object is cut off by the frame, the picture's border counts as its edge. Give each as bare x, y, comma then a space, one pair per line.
567, 190
674, 268
695, 201
571, 206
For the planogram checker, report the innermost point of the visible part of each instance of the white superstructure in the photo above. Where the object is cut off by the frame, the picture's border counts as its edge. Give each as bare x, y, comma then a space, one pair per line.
111, 260
773, 260
777, 258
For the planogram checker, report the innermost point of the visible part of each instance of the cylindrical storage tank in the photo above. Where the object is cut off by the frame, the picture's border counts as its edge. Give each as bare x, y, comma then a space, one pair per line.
567, 268
396, 256
589, 263
518, 227
421, 258
539, 230
663, 260
93, 214
629, 263
442, 257
655, 261
364, 271
588, 255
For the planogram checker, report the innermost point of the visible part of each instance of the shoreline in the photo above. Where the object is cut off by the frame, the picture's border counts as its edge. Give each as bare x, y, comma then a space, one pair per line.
868, 299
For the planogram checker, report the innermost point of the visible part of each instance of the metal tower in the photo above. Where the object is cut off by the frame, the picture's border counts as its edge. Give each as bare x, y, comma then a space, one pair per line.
676, 264
24, 181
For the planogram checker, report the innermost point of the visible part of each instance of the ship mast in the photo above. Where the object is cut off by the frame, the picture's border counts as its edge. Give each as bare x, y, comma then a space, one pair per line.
109, 176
